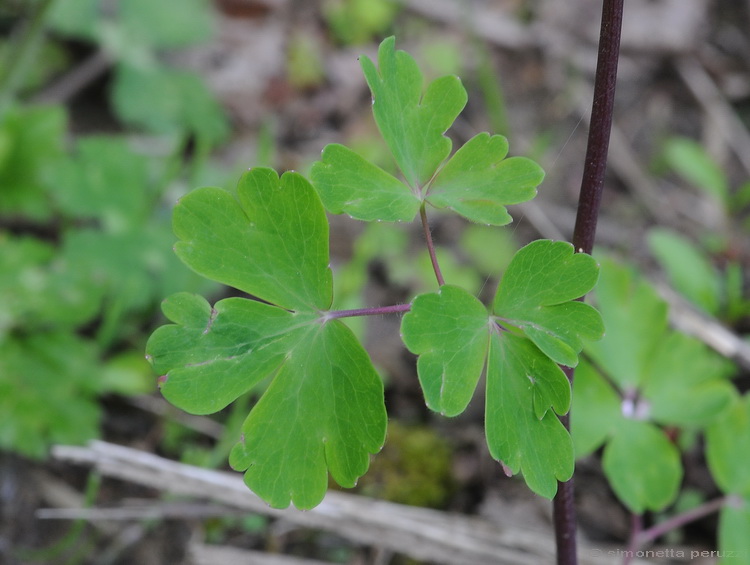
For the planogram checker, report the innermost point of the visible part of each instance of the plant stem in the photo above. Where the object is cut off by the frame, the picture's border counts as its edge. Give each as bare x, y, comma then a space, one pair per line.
375, 311
636, 526
430, 245
680, 520
601, 124
585, 229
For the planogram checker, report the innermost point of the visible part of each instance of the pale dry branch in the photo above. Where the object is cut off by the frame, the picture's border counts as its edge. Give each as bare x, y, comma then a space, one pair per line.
420, 533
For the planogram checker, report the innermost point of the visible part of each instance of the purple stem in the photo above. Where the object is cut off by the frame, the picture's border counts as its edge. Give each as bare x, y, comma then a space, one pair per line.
600, 127
586, 218
636, 526
376, 311
679, 520
430, 245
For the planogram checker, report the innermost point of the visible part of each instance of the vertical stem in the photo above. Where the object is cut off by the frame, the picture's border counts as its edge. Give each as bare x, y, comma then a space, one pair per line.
586, 218
564, 509
601, 125
430, 245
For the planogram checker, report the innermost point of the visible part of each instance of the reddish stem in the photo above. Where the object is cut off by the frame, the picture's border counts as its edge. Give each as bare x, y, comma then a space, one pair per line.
586, 219
430, 245
375, 311
680, 520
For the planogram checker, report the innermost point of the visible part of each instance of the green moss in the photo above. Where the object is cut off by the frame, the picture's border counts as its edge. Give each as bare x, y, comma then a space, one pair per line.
413, 468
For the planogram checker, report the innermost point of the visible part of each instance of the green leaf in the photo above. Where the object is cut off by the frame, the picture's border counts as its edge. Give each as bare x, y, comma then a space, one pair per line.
322, 411
272, 243
84, 183
449, 330
691, 161
168, 23
685, 383
39, 289
642, 466
32, 138
62, 370
212, 356
689, 270
348, 183
535, 296
636, 320
478, 181
521, 431
595, 414
168, 101
413, 123
77, 19
734, 523
728, 448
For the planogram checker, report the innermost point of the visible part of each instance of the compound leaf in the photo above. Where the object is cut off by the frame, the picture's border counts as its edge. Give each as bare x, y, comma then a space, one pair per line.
596, 410
478, 181
272, 243
213, 355
322, 411
642, 466
536, 294
522, 384
685, 383
324, 408
412, 123
449, 330
349, 183
636, 320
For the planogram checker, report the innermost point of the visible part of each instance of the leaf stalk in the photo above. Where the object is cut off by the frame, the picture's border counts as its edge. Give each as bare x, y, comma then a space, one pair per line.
374, 311
430, 245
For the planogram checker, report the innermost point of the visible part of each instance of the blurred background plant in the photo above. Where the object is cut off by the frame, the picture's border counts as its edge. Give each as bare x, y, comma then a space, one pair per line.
85, 238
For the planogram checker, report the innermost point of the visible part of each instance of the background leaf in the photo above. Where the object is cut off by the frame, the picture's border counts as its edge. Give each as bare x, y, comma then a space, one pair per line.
734, 523
642, 466
728, 448
686, 383
689, 271
636, 320
595, 414
691, 161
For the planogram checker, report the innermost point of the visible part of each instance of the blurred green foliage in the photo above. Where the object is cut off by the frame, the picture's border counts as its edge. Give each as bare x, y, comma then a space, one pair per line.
85, 237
